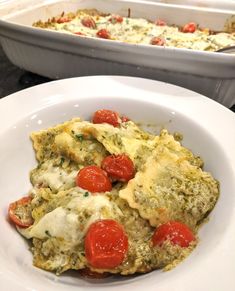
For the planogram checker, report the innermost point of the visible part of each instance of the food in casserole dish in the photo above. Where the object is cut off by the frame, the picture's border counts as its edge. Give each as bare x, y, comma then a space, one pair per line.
109, 197
92, 23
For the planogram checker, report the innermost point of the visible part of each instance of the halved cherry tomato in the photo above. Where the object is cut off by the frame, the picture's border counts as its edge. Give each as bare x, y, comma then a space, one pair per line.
19, 214
116, 19
160, 22
189, 27
63, 20
119, 167
103, 33
88, 22
79, 33
93, 179
157, 41
106, 244
106, 116
176, 232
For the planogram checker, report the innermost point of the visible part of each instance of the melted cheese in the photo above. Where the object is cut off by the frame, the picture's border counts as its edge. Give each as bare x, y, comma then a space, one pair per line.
68, 221
140, 31
55, 178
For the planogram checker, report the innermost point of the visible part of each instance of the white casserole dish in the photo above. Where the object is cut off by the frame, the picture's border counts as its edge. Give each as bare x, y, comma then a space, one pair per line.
58, 55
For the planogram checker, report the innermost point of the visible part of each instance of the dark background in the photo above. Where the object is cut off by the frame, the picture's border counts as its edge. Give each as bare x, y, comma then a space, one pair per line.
13, 79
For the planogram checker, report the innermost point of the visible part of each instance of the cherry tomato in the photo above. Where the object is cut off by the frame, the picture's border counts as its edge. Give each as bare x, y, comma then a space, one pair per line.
157, 41
190, 27
176, 232
63, 20
116, 19
103, 33
79, 33
119, 167
88, 22
106, 244
160, 22
19, 214
93, 179
106, 116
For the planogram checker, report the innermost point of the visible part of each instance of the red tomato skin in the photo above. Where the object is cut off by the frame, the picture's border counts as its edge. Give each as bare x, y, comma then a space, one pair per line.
106, 244
103, 33
106, 116
158, 41
116, 19
189, 27
63, 20
119, 167
160, 22
79, 33
23, 201
176, 232
88, 22
93, 179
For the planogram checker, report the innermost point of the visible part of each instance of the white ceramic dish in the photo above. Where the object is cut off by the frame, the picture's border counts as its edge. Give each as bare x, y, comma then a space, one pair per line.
58, 55
208, 129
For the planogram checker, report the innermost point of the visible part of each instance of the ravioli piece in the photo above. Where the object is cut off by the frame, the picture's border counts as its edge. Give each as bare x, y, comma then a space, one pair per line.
43, 140
63, 142
78, 148
61, 221
57, 174
128, 138
175, 147
170, 188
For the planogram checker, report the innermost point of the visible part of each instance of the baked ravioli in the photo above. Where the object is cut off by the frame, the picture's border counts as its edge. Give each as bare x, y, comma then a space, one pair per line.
93, 23
109, 197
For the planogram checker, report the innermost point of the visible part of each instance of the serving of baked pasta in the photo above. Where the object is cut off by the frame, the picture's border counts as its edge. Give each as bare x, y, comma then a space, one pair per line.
110, 197
93, 23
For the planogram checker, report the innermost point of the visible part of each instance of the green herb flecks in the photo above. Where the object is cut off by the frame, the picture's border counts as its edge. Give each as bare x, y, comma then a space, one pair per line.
62, 161
79, 137
47, 233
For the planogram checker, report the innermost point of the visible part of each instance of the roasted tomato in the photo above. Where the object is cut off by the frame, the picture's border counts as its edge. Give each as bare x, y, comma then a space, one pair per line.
158, 41
103, 33
176, 232
19, 212
119, 167
93, 179
106, 116
160, 22
116, 19
79, 33
63, 20
88, 22
106, 244
190, 27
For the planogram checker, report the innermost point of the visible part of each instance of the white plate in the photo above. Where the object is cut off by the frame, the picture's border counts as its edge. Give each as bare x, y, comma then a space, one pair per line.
208, 129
